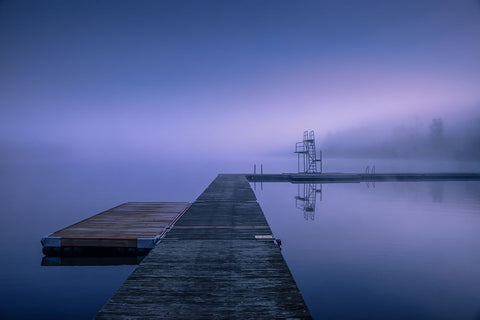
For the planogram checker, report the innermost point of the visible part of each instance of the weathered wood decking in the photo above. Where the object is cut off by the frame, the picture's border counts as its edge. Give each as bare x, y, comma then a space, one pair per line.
136, 225
218, 262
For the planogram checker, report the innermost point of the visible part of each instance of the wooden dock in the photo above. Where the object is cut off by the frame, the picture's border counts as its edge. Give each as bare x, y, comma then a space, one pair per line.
220, 261
129, 228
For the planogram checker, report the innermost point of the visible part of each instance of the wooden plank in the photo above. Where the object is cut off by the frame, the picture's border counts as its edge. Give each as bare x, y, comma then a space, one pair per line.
228, 188
201, 279
121, 226
219, 261
98, 242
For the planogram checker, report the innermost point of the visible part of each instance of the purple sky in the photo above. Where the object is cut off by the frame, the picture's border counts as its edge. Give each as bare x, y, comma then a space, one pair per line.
104, 78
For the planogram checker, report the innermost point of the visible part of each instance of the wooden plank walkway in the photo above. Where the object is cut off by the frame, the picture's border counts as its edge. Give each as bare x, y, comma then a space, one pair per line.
130, 225
219, 261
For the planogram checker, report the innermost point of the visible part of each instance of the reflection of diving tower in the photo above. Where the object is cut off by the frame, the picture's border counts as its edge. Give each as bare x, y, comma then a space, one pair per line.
307, 199
308, 154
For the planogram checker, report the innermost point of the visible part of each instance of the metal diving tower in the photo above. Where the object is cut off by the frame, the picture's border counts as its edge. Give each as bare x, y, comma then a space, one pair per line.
307, 154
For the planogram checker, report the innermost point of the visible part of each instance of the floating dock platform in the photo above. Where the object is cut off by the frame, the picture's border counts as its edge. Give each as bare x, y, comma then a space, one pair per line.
219, 261
132, 228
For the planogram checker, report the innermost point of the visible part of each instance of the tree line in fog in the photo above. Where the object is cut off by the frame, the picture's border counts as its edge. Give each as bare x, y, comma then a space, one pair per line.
433, 138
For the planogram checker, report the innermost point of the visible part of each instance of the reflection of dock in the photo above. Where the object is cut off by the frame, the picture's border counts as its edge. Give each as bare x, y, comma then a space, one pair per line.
219, 261
360, 177
126, 230
91, 261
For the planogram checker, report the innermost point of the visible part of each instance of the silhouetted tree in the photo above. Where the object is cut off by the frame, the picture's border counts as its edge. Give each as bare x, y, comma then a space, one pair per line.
436, 133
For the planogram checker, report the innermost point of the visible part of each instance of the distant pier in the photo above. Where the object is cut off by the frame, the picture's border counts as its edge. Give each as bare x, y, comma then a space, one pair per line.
360, 177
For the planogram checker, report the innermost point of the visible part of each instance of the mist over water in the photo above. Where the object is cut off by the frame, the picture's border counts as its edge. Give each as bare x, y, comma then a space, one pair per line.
104, 102
455, 137
233, 80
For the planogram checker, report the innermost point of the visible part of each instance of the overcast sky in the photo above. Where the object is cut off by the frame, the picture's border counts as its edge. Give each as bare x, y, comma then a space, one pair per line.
153, 77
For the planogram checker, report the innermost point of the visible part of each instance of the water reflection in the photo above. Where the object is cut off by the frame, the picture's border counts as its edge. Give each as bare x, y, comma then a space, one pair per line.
404, 250
306, 199
436, 190
309, 193
92, 256
49, 261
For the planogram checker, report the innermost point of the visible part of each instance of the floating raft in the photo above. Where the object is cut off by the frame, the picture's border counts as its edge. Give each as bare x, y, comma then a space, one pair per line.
131, 227
220, 261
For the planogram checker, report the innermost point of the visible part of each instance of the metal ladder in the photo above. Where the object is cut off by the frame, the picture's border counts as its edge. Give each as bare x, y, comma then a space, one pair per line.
307, 154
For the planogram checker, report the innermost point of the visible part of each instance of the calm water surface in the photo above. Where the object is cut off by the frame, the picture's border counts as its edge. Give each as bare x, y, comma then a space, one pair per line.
405, 250
38, 199
396, 250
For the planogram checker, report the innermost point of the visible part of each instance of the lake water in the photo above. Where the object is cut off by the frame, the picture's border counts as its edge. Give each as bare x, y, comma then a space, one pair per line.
389, 250
405, 250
